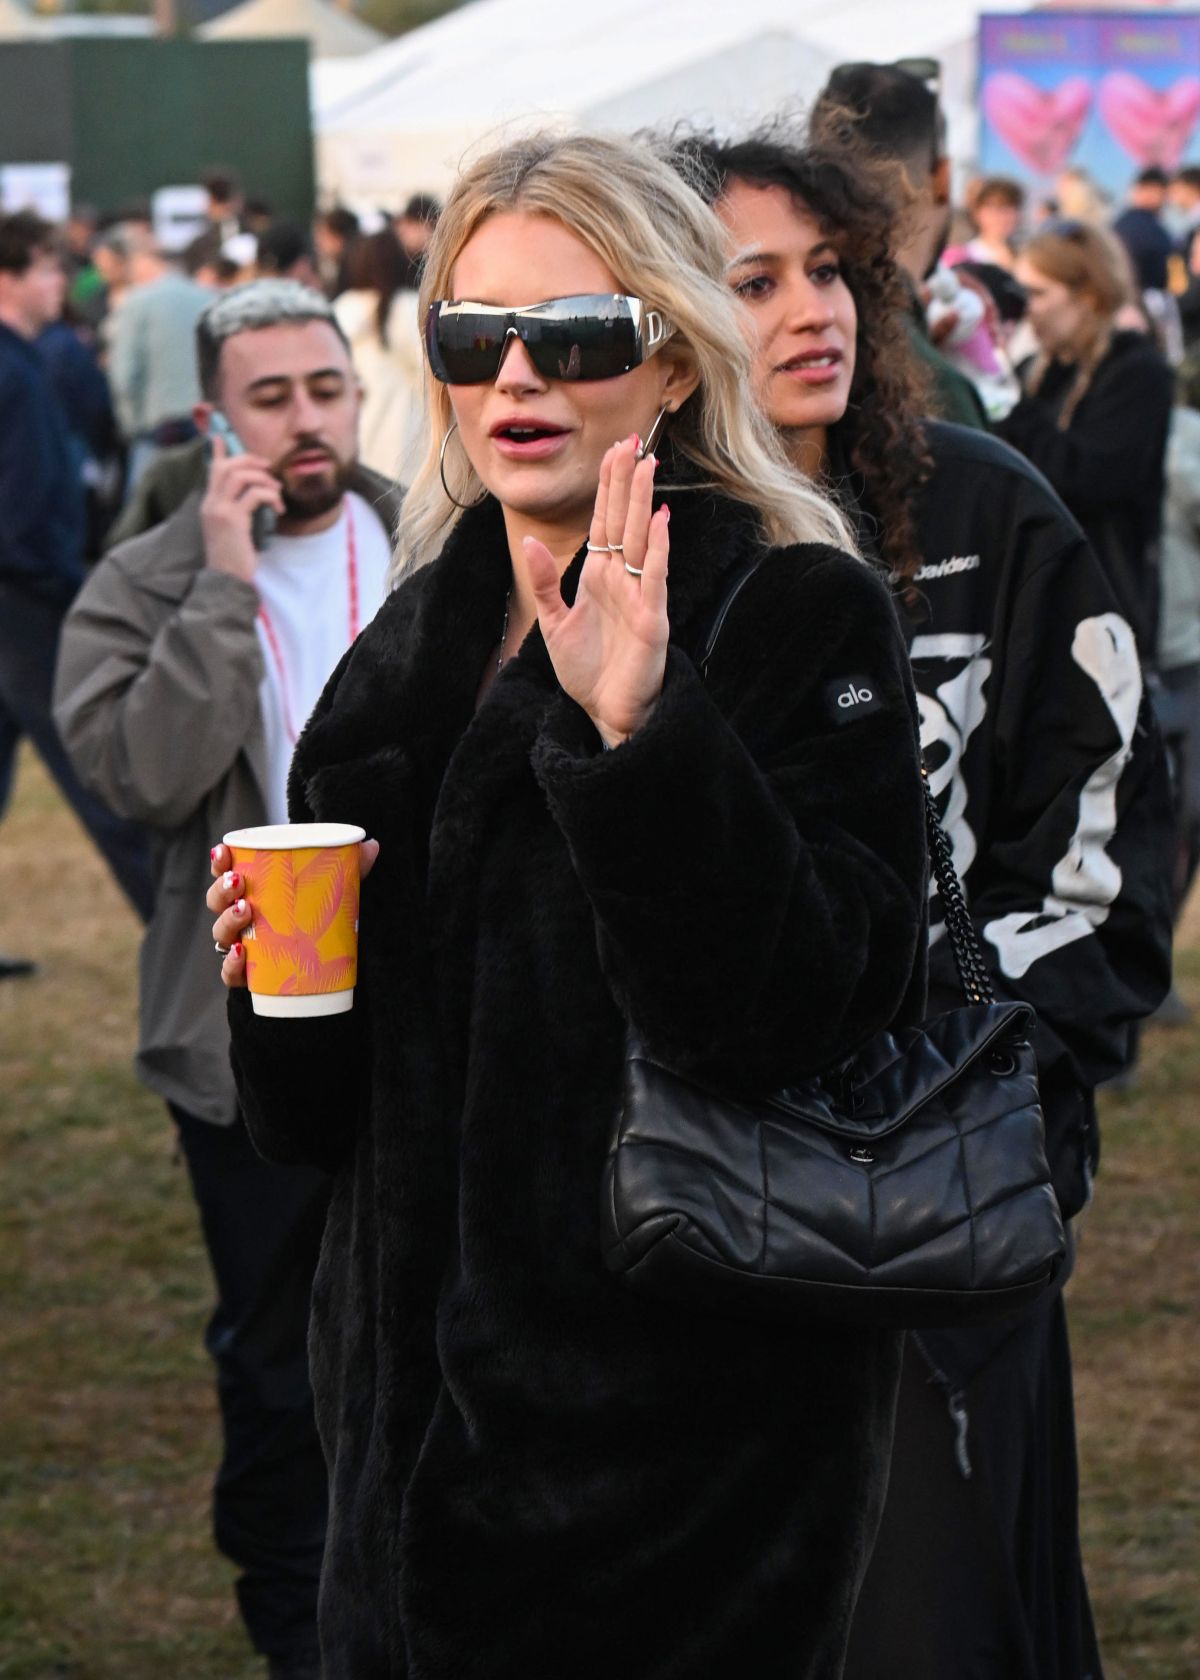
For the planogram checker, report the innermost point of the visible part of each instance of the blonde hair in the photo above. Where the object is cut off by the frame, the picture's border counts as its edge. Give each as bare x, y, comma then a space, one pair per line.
663, 245
1085, 259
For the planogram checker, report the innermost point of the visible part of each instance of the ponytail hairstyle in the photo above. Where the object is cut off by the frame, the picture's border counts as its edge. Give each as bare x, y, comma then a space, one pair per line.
664, 246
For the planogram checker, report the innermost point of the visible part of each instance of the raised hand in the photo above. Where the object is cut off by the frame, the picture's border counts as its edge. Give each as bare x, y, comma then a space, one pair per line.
609, 650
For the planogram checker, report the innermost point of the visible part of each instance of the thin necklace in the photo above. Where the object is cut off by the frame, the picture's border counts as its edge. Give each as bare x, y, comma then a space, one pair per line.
504, 632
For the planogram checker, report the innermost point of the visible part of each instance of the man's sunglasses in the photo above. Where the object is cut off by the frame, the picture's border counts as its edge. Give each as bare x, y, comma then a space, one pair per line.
598, 336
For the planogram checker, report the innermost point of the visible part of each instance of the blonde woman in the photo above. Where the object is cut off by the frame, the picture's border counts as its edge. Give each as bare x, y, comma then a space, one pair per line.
1097, 407
535, 1472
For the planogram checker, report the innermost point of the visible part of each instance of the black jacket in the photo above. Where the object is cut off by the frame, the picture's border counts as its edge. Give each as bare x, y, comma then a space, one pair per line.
1149, 246
1108, 464
1049, 771
535, 1472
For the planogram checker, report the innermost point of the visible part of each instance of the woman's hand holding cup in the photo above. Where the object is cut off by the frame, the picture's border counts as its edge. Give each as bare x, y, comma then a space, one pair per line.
226, 899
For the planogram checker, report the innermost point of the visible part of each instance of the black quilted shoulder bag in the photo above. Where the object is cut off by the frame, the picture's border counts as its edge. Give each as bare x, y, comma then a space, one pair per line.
907, 1187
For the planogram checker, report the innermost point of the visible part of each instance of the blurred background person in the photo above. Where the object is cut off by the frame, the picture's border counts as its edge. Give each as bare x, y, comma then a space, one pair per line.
1141, 229
110, 257
225, 207
285, 252
42, 541
378, 314
69, 354
85, 285
1189, 297
898, 118
334, 232
1152, 253
1078, 198
1184, 224
257, 215
152, 359
1182, 211
1179, 625
1096, 408
415, 227
997, 205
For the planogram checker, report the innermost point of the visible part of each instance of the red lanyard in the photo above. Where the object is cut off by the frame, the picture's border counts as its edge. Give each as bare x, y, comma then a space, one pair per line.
352, 604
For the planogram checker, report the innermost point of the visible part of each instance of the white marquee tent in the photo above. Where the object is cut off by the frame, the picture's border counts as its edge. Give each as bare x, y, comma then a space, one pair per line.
330, 32
401, 119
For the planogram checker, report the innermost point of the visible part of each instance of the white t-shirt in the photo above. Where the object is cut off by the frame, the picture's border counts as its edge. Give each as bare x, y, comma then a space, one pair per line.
303, 584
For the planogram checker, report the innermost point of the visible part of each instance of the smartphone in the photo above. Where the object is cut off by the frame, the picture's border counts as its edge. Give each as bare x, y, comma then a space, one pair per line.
263, 519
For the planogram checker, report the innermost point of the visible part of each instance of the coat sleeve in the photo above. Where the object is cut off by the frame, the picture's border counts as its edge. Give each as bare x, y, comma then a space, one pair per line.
1071, 859
1112, 449
755, 853
301, 1086
154, 699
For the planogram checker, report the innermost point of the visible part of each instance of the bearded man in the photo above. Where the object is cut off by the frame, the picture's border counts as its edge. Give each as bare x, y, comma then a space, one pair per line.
188, 664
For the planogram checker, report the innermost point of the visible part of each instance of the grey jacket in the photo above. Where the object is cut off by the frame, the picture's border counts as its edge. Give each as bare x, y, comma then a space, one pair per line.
157, 701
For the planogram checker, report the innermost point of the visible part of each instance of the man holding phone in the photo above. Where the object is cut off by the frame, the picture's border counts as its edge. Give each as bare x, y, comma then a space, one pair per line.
189, 663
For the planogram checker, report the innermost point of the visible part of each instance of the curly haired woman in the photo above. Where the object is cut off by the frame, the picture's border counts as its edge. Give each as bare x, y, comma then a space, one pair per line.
1050, 781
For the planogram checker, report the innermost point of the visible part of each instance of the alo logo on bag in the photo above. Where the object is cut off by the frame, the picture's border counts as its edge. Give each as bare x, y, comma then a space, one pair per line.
849, 698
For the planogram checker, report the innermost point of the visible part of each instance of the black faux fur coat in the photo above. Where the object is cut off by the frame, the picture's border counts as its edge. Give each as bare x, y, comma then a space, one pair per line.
535, 1474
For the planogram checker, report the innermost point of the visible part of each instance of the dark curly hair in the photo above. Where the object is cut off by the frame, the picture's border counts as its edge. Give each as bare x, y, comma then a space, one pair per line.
856, 198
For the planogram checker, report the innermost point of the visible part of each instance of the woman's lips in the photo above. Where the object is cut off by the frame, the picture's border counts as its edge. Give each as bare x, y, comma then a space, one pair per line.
537, 446
820, 369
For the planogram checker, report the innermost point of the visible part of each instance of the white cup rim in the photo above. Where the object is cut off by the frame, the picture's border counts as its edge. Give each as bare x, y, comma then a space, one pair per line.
282, 837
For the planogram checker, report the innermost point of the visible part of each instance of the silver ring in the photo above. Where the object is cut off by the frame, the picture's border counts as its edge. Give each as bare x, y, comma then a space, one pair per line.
221, 950
634, 571
598, 548
616, 548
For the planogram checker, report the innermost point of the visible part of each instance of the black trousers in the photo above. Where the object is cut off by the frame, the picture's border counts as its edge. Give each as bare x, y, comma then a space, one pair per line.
29, 635
978, 1576
262, 1225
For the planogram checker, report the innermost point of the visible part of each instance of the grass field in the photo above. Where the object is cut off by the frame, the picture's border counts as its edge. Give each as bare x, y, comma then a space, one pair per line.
108, 1431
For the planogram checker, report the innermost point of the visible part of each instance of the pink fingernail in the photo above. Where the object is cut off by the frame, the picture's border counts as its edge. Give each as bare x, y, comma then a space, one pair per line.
240, 907
213, 855
667, 512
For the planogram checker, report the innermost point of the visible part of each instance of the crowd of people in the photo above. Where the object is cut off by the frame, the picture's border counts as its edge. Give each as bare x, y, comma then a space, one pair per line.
365, 476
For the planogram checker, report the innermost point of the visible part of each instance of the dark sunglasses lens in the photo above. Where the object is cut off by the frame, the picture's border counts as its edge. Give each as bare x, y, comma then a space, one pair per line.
576, 338
582, 338
464, 348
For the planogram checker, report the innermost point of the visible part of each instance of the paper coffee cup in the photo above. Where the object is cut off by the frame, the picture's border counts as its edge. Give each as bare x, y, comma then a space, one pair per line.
301, 881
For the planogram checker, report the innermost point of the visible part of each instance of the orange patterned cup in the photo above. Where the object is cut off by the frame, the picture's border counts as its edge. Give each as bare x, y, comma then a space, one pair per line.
301, 880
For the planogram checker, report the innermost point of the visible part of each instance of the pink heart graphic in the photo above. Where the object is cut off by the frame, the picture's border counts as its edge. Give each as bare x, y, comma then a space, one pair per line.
1041, 125
1153, 125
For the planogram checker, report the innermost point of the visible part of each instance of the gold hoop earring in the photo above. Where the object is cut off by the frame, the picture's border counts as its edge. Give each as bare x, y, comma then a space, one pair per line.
450, 496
